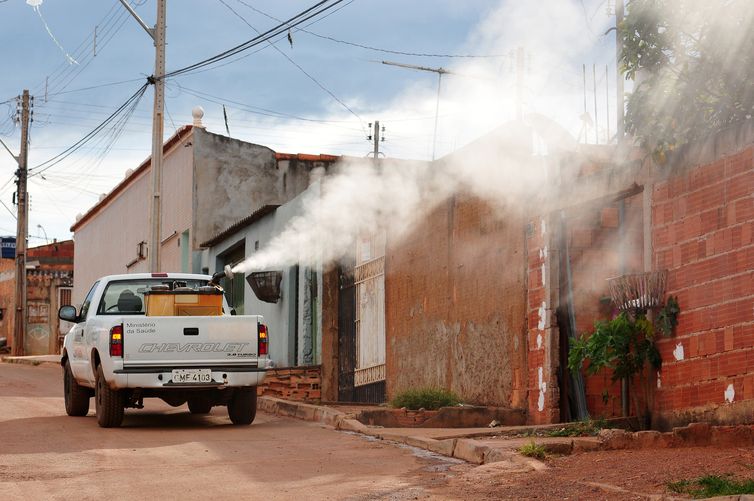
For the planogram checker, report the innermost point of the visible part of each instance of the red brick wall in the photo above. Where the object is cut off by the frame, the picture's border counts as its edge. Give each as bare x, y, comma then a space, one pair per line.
455, 305
292, 383
702, 227
596, 249
542, 342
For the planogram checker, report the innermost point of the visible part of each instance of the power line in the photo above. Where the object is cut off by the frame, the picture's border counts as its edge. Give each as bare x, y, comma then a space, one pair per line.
301, 17
135, 97
373, 48
260, 111
294, 63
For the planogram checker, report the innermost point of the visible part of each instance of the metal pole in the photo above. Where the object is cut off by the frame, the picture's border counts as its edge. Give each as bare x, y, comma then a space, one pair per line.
619, 79
21, 231
376, 138
437, 114
607, 104
594, 82
157, 132
519, 83
586, 128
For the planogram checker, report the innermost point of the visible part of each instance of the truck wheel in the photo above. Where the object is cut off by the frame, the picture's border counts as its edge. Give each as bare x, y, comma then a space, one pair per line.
199, 406
242, 407
110, 403
76, 397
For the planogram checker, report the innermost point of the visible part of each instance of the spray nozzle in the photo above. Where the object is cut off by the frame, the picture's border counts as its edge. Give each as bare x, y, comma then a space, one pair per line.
227, 272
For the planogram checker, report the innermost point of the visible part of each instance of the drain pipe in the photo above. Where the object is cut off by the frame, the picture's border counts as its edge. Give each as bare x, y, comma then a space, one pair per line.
622, 253
577, 380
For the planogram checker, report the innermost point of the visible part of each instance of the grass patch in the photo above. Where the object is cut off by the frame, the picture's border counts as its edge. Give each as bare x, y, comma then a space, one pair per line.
533, 450
586, 428
425, 398
712, 485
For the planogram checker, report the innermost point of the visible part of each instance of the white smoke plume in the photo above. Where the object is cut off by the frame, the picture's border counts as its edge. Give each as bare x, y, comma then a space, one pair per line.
504, 167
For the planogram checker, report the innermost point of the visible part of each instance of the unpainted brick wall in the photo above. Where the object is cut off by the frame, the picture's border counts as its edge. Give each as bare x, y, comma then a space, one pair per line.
702, 232
598, 250
292, 383
456, 304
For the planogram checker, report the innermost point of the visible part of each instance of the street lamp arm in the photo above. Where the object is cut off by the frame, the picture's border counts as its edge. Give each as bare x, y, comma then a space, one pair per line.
8, 149
150, 31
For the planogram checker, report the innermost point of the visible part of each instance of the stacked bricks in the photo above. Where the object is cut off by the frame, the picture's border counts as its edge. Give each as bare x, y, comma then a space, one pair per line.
293, 383
703, 233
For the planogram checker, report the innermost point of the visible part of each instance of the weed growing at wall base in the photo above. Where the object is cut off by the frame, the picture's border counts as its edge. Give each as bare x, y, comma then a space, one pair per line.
425, 398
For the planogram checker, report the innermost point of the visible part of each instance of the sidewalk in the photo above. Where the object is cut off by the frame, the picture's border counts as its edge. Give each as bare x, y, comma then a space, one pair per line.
31, 359
475, 445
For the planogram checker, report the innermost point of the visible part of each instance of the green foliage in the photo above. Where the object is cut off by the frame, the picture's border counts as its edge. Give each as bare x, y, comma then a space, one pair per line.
533, 450
667, 318
579, 429
425, 398
712, 485
624, 345
694, 63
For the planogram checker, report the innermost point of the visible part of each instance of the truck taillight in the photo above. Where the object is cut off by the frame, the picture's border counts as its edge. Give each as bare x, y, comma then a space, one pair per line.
262, 342
116, 341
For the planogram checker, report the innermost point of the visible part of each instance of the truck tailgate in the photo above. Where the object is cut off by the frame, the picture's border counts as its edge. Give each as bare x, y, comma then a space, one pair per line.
190, 341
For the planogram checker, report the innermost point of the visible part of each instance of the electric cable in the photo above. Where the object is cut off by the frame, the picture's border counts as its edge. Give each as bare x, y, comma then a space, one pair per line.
294, 63
38, 169
301, 17
373, 48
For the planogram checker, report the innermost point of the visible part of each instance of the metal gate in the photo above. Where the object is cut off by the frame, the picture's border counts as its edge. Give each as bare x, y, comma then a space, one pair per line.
358, 380
346, 333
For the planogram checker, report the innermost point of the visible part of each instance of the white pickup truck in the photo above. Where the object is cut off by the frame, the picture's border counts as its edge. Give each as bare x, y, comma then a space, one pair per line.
120, 354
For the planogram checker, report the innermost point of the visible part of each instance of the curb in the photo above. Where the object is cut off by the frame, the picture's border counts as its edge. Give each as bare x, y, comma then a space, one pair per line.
459, 448
26, 360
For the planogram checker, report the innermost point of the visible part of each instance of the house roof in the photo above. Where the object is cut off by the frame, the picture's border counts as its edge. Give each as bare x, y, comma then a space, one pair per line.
175, 138
307, 157
240, 224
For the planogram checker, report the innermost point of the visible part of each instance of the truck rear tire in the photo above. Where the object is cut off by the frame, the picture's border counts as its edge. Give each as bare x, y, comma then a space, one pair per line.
199, 406
76, 396
110, 403
242, 407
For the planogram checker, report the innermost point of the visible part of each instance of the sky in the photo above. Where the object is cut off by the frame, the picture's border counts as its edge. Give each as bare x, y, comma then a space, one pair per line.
317, 95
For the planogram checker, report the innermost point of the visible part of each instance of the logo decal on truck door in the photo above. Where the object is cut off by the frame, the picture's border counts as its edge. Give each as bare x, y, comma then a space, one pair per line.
192, 347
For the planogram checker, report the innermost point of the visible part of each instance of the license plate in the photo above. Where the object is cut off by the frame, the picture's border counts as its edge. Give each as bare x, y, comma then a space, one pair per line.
192, 376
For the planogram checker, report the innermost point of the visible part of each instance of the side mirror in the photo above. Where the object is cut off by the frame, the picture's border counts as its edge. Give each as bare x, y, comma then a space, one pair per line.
68, 313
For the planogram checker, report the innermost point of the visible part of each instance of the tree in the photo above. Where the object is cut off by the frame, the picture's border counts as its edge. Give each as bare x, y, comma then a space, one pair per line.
693, 66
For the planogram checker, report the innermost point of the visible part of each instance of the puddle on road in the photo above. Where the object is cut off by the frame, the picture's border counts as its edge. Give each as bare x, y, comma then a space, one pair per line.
440, 463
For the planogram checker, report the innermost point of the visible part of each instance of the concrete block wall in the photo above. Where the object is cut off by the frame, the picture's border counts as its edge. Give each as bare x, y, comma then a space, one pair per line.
703, 233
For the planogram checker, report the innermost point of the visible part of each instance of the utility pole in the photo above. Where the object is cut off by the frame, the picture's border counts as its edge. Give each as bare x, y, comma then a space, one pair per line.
596, 119
520, 83
619, 78
440, 72
22, 228
376, 138
157, 79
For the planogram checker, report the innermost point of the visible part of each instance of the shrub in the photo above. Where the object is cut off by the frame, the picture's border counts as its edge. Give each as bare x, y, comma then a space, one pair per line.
425, 398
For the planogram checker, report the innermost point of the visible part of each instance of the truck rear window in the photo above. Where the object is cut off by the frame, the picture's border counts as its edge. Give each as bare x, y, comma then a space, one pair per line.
126, 297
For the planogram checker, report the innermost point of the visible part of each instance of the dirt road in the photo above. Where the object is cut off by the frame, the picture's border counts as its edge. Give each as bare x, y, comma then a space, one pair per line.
166, 453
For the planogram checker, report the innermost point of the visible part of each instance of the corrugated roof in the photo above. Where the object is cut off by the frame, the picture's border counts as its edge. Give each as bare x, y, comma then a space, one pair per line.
241, 223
